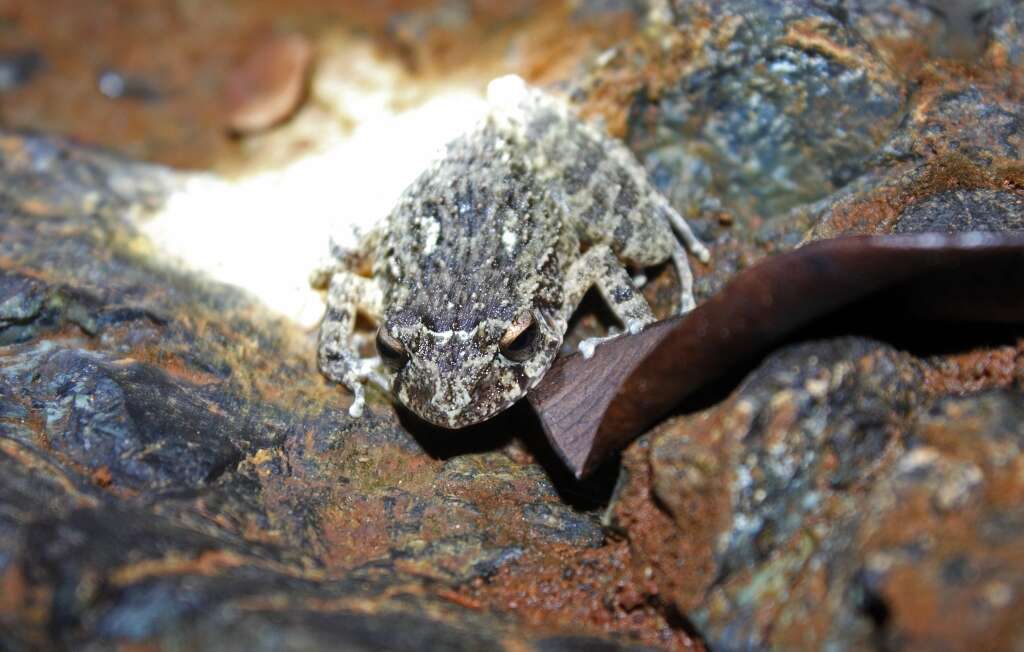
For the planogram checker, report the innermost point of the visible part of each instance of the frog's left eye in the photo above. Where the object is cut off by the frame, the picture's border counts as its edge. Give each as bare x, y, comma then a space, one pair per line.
391, 351
517, 342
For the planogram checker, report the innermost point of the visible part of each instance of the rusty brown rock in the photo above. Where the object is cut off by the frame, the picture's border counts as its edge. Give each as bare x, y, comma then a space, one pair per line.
254, 510
175, 472
833, 500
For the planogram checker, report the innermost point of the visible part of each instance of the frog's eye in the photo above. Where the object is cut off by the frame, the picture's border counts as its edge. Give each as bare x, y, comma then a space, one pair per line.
517, 342
391, 351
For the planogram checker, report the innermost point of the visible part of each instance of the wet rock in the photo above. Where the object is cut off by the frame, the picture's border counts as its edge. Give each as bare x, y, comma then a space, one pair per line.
99, 412
948, 528
21, 299
964, 210
908, 33
904, 32
962, 140
728, 109
175, 471
1007, 28
781, 104
819, 505
756, 119
772, 449
972, 119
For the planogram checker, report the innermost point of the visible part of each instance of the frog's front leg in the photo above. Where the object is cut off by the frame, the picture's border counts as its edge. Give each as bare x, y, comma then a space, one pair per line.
339, 360
599, 267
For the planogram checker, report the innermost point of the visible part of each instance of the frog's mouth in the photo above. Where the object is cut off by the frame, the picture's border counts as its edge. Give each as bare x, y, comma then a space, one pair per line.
454, 403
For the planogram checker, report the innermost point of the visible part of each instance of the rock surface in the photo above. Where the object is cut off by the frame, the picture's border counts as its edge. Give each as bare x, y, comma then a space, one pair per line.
176, 473
835, 501
170, 454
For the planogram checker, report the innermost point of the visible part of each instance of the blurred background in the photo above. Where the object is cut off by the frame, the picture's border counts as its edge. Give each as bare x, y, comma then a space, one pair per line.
299, 119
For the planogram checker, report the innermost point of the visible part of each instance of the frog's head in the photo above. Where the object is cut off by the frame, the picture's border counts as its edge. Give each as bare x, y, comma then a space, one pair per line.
456, 378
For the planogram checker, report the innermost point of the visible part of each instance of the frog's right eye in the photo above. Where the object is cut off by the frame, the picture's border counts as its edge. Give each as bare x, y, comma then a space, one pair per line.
391, 351
517, 342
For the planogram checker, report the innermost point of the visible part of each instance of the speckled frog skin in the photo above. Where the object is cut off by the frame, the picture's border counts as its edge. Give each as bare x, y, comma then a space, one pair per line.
477, 270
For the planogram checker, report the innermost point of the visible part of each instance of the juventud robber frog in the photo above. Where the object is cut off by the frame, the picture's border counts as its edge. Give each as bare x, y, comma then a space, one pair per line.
477, 270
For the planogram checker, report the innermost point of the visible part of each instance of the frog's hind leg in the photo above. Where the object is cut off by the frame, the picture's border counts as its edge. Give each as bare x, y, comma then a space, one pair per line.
339, 360
611, 201
599, 267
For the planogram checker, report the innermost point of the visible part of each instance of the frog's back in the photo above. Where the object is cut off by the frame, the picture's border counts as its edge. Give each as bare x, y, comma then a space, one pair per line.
474, 237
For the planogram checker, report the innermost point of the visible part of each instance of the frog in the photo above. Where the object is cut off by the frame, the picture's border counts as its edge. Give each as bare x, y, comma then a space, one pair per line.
472, 278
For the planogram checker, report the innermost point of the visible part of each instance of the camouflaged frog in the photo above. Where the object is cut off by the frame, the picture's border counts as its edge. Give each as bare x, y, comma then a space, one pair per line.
477, 270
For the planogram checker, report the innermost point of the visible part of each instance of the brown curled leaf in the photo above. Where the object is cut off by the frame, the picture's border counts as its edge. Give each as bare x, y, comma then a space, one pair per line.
591, 408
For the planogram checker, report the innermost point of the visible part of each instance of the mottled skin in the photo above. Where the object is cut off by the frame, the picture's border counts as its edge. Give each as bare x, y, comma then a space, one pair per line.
479, 267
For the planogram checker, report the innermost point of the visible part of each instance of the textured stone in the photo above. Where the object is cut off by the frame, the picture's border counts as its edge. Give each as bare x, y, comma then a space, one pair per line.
171, 455
1007, 32
175, 472
964, 210
781, 104
831, 502
962, 141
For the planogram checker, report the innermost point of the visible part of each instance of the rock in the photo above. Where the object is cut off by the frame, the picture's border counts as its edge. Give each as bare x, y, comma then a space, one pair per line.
118, 85
175, 471
21, 299
270, 84
1007, 28
821, 502
754, 118
780, 104
903, 32
964, 210
19, 67
792, 513
961, 139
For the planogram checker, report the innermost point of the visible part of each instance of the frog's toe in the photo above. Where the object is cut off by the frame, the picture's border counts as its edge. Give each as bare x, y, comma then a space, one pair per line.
686, 303
356, 409
587, 347
702, 253
320, 277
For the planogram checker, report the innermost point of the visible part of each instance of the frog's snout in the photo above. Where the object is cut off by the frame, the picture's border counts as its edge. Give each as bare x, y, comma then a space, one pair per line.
451, 397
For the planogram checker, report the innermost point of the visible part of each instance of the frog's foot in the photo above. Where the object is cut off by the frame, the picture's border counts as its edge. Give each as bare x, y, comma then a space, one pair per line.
348, 252
365, 372
338, 350
337, 259
358, 400
588, 346
682, 265
685, 233
320, 277
355, 373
